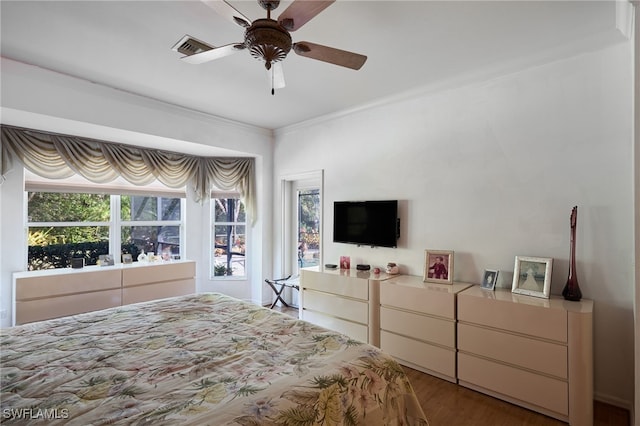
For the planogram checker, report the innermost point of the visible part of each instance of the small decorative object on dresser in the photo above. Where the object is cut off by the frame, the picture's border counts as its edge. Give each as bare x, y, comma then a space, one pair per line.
571, 290
126, 258
345, 262
489, 279
438, 266
532, 276
392, 268
77, 262
106, 260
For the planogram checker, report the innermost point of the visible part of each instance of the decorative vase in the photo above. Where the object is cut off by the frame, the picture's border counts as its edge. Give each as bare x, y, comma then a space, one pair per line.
571, 290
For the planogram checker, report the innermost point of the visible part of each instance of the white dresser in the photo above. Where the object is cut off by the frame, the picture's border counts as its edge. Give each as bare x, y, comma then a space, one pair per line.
418, 324
346, 301
53, 293
533, 352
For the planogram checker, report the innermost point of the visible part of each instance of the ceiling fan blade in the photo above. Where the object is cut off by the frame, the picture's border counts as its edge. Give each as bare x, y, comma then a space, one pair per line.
302, 11
229, 12
213, 54
334, 56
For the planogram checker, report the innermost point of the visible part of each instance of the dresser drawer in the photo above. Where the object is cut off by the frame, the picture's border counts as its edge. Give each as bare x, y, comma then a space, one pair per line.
430, 329
72, 282
430, 357
329, 304
356, 288
153, 291
530, 388
133, 275
543, 356
525, 318
420, 299
61, 306
354, 330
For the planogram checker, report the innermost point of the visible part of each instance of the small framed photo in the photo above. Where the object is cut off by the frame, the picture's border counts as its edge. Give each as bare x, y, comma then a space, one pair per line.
106, 260
126, 258
438, 266
532, 276
77, 262
345, 262
489, 279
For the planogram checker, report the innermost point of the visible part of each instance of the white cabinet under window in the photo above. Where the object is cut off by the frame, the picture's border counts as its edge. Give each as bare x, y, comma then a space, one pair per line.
53, 293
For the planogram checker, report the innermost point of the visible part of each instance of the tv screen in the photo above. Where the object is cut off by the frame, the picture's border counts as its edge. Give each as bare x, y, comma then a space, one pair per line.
370, 223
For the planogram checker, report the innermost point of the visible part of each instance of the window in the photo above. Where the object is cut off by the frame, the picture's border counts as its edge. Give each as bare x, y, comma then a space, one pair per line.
308, 227
152, 224
66, 225
229, 238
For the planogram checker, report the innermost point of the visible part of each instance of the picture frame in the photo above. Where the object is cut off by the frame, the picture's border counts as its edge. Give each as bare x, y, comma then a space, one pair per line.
438, 266
345, 262
489, 279
77, 262
532, 276
127, 258
106, 260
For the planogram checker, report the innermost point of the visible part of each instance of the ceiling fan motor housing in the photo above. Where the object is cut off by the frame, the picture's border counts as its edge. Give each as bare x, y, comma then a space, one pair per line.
269, 4
268, 41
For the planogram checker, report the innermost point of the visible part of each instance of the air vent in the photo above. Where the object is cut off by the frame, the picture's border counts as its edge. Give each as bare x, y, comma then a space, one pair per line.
190, 46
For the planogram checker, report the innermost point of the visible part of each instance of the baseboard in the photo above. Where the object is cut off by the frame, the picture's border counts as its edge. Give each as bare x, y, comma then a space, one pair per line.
616, 402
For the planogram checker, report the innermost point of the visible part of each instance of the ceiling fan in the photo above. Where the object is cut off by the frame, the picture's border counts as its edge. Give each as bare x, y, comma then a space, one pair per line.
269, 40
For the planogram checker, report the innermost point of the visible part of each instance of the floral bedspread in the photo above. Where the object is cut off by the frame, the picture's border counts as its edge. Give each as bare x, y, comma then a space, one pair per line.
204, 359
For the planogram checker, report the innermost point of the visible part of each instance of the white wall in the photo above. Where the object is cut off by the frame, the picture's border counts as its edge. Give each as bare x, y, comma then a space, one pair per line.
40, 99
636, 115
492, 171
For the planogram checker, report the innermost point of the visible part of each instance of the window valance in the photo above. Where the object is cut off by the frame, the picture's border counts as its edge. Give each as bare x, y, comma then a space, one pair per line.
56, 156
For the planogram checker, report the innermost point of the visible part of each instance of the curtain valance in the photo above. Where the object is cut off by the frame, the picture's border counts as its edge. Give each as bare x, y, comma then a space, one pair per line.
57, 156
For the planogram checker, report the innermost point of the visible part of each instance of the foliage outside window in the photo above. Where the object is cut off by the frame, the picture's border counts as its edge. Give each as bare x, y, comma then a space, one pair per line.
229, 238
309, 227
152, 224
66, 225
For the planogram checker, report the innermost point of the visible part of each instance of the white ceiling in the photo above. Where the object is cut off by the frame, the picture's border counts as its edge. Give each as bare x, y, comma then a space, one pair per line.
411, 45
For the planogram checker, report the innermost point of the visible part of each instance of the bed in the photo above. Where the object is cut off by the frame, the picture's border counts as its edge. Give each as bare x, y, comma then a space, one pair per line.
205, 359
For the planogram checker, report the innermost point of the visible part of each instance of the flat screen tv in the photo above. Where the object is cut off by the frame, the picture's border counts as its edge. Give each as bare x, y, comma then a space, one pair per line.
367, 223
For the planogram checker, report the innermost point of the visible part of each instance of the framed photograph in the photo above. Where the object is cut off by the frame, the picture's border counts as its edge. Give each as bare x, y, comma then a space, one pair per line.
532, 276
106, 260
77, 262
345, 262
438, 266
489, 279
126, 258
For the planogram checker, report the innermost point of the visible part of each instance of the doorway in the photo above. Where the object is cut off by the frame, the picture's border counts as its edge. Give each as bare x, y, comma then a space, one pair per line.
301, 224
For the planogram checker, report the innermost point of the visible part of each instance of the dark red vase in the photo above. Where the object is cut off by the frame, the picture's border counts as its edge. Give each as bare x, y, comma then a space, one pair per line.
571, 290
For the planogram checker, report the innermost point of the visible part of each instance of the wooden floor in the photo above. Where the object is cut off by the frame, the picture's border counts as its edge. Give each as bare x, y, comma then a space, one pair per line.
448, 404
445, 403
